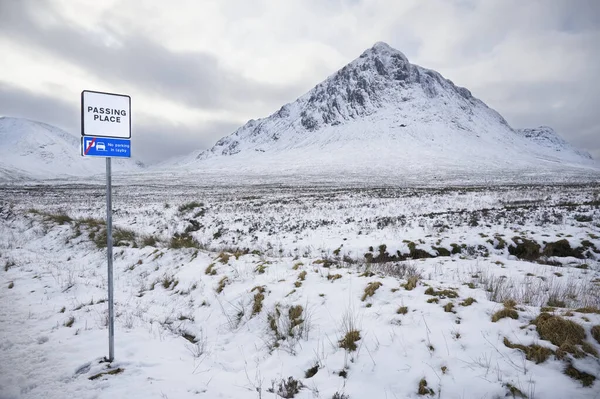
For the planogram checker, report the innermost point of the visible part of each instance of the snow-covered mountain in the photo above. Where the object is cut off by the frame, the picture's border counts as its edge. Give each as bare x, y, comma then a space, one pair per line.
382, 115
35, 150
545, 136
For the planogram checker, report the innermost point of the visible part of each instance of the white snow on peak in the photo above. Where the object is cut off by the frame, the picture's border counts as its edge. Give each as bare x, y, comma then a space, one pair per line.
381, 115
36, 150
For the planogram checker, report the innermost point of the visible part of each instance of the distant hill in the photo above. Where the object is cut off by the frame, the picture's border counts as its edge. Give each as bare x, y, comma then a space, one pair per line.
35, 150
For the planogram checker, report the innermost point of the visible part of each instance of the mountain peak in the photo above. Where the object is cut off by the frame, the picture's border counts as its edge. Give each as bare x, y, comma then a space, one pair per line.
384, 49
380, 112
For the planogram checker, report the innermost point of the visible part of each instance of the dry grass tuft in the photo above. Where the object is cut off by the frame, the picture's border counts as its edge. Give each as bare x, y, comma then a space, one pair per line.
423, 389
349, 340
370, 289
69, 322
588, 309
411, 282
501, 314
441, 293
210, 270
223, 257
295, 316
258, 300
559, 331
535, 353
222, 284
448, 308
596, 333
468, 302
583, 377
402, 310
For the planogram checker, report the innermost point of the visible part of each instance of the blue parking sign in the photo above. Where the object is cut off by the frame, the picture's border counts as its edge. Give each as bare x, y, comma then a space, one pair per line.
105, 147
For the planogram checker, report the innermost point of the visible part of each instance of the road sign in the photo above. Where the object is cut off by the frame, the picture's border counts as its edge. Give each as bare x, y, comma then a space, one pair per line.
105, 114
106, 132
105, 147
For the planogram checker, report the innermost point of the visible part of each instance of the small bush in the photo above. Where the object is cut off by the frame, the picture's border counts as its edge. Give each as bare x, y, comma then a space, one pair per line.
370, 289
448, 307
333, 277
561, 248
524, 249
402, 310
183, 240
433, 300
583, 218
189, 206
302, 275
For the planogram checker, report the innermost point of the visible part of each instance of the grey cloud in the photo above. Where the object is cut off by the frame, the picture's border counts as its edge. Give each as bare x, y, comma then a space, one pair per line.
162, 140
20, 103
153, 140
191, 78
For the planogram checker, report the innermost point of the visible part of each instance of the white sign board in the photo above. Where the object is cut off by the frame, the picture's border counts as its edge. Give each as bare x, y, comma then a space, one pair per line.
105, 115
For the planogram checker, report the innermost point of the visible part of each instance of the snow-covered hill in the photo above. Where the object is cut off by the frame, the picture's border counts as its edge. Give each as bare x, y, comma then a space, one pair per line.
381, 115
545, 136
35, 150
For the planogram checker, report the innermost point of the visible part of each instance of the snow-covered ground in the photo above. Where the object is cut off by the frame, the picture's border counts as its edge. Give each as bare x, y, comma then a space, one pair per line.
226, 291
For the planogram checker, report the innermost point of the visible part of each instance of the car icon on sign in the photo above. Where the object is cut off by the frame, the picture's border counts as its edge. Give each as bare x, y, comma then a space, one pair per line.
100, 146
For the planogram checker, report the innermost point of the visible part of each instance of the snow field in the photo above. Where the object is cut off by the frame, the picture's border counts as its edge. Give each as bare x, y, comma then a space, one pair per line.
182, 331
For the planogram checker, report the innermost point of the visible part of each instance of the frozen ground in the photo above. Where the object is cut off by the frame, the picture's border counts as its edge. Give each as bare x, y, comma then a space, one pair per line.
228, 291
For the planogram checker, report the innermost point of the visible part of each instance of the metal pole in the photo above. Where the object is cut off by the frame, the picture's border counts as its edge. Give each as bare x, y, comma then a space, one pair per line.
109, 254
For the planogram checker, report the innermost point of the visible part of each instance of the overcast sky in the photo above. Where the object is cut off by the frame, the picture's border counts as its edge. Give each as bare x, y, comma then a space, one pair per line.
198, 69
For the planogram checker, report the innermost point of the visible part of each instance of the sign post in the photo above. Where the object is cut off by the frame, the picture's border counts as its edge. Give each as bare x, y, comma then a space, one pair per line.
106, 132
